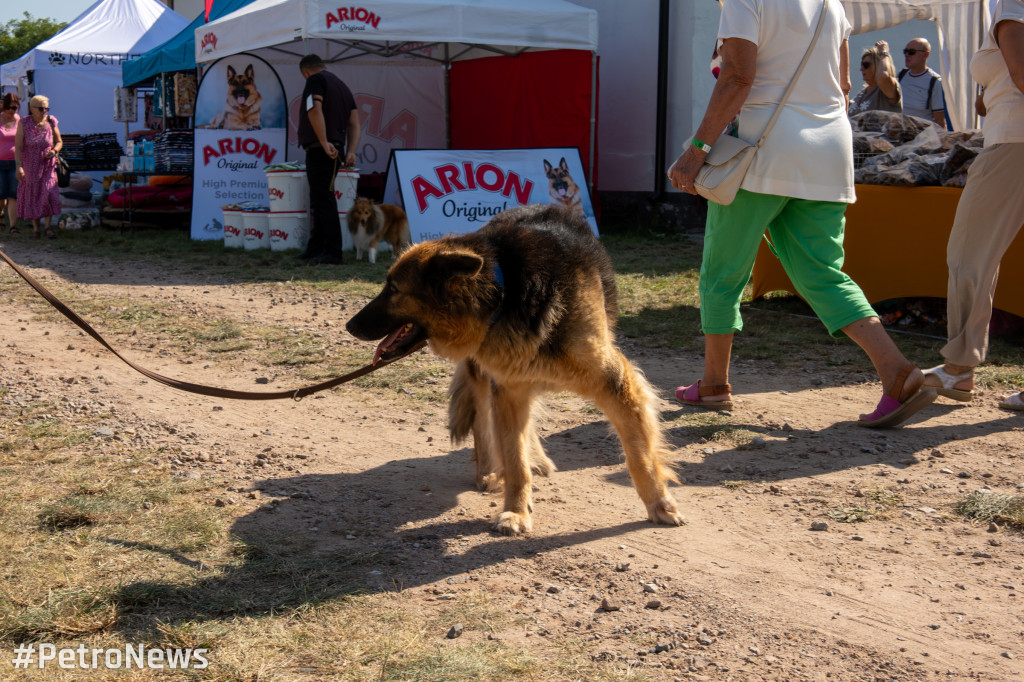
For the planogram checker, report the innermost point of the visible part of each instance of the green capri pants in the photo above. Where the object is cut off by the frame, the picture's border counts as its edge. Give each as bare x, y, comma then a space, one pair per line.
808, 240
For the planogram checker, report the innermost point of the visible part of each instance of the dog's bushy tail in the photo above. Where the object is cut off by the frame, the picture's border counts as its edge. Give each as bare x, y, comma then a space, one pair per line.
463, 400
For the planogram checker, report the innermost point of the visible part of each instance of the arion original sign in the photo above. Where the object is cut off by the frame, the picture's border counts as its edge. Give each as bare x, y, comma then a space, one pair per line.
454, 191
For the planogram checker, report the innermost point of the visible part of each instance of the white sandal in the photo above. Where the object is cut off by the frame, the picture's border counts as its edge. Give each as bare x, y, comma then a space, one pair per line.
1013, 402
943, 382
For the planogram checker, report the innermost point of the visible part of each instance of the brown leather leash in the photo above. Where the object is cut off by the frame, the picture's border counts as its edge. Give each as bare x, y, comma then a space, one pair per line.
213, 391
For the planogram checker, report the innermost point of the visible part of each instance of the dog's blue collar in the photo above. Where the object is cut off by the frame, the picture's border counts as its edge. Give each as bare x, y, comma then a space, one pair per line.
499, 280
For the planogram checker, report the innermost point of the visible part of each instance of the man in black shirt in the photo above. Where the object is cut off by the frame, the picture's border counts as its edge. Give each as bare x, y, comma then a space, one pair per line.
328, 131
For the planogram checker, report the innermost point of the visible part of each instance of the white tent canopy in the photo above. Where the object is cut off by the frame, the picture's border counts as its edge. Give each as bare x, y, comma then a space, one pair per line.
79, 67
504, 25
961, 25
437, 30
103, 35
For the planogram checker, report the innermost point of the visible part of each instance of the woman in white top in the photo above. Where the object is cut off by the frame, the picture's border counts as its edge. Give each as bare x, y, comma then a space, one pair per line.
991, 208
797, 189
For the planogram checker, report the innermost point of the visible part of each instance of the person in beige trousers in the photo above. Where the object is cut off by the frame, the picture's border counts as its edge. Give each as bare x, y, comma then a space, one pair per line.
991, 208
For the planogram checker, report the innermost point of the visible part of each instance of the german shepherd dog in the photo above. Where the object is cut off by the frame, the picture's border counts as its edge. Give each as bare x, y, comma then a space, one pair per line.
371, 223
525, 305
242, 109
562, 189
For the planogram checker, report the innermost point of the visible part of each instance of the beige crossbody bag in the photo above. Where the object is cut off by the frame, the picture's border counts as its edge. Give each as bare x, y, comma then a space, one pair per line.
720, 177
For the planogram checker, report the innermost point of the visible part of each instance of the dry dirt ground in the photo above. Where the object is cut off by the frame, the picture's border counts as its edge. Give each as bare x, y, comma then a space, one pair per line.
746, 590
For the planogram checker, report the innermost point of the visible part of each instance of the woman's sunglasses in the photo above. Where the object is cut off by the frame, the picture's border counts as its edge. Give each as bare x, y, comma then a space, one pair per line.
866, 65
12, 106
43, 109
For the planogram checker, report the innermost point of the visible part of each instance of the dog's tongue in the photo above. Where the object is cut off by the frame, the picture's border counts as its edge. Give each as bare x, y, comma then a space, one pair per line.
240, 99
561, 191
391, 338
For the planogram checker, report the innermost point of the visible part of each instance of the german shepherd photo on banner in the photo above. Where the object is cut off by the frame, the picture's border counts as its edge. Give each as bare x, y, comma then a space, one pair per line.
242, 106
562, 189
525, 305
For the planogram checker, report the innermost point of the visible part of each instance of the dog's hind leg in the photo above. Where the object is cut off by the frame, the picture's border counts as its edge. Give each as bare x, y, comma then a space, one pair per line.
512, 427
469, 411
628, 401
540, 464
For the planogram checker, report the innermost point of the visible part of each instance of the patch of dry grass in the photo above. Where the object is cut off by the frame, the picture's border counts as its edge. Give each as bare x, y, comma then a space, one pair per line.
879, 503
992, 507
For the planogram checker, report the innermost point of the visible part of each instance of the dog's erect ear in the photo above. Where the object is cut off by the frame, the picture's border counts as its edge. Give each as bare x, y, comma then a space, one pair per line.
457, 264
249, 73
547, 166
231, 72
563, 165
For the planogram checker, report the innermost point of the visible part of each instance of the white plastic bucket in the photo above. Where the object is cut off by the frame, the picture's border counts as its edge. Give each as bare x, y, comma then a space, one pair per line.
288, 230
234, 227
345, 187
288, 190
257, 236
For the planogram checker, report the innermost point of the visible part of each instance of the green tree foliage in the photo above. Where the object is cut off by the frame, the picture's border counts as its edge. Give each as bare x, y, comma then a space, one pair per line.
18, 36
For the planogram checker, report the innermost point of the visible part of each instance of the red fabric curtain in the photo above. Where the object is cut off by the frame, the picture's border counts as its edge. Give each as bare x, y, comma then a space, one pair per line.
535, 99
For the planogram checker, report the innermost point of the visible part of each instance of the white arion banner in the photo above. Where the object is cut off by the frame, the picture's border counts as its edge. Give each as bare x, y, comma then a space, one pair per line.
454, 191
241, 129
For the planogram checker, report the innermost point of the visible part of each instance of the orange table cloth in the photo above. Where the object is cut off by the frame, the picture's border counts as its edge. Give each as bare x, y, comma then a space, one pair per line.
896, 248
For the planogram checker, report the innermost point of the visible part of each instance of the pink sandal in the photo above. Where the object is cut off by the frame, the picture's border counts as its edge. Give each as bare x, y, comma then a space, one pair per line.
692, 394
890, 411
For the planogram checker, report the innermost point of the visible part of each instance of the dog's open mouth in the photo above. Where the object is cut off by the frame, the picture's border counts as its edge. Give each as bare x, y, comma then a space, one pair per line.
399, 342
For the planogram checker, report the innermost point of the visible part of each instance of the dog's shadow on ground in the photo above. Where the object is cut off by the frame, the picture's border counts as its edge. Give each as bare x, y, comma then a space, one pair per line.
402, 525
396, 526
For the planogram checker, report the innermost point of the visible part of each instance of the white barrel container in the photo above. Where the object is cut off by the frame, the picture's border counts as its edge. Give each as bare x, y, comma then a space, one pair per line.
234, 228
288, 190
288, 230
257, 232
346, 236
345, 187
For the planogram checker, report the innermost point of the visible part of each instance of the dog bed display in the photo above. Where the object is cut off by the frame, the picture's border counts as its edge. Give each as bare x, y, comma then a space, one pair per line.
155, 198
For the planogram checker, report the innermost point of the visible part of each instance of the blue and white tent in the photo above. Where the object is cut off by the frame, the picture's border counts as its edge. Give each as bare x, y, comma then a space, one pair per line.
178, 53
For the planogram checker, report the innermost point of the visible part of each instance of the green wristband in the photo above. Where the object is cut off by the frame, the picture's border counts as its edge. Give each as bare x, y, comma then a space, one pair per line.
703, 146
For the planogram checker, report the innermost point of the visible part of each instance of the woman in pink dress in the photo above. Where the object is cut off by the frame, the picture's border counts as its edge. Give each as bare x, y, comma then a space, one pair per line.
36, 143
8, 184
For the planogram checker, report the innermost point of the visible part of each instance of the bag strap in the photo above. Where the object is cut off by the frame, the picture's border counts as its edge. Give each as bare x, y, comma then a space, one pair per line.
796, 76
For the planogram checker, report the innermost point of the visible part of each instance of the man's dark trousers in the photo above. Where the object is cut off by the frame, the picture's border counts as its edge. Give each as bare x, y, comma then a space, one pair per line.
325, 232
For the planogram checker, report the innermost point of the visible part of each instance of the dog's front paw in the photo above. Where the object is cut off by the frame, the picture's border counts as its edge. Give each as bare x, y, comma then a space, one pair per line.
665, 511
511, 523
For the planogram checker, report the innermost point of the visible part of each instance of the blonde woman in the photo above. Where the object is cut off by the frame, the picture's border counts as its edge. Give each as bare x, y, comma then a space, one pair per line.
881, 90
35, 146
